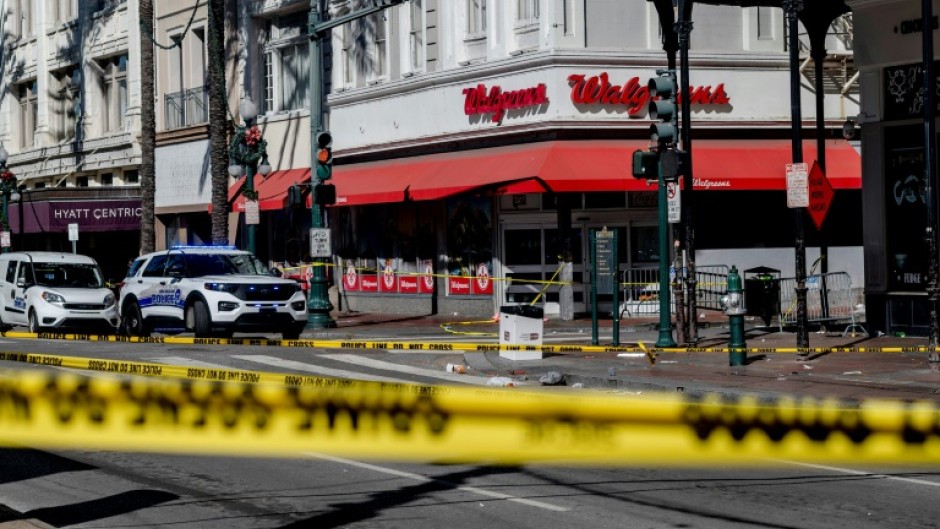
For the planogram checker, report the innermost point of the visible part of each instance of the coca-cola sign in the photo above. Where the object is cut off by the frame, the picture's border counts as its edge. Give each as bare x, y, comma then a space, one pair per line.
598, 89
480, 100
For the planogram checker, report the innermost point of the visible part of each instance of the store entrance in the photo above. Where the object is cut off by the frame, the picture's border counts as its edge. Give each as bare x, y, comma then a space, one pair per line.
531, 260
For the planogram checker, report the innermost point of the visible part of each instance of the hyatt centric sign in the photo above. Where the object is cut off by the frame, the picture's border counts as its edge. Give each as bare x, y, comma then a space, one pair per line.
95, 215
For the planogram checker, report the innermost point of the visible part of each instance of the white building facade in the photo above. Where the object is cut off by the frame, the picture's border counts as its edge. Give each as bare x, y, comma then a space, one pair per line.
70, 119
462, 128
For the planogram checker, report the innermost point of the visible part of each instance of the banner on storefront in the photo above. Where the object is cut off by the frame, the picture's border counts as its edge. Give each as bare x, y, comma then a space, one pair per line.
91, 216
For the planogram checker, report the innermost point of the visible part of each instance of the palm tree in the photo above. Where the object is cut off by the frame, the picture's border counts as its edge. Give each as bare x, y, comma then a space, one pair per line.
148, 129
218, 122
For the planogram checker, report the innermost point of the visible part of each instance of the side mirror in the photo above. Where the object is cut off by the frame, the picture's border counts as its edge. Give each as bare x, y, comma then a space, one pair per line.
21, 282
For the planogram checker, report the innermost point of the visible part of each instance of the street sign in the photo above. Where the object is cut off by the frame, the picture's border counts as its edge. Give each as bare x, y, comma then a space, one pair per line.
605, 267
4, 239
252, 213
820, 195
320, 242
73, 231
674, 202
797, 185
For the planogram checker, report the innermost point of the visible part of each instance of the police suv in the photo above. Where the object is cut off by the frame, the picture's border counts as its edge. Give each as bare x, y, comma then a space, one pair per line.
211, 291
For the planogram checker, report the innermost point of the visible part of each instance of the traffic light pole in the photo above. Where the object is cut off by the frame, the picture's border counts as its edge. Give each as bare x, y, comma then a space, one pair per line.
318, 301
665, 299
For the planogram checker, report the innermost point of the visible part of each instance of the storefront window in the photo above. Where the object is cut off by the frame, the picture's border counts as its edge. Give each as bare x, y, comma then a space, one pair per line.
384, 247
470, 234
905, 208
645, 243
523, 247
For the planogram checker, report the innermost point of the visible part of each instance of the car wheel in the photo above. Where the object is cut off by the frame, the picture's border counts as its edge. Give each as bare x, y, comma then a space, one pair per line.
198, 316
34, 322
132, 321
292, 333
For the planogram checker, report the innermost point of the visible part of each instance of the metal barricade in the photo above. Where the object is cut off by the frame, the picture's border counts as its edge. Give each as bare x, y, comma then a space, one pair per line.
711, 284
641, 290
829, 299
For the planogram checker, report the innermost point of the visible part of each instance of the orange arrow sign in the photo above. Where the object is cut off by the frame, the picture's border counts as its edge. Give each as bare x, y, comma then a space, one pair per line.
820, 195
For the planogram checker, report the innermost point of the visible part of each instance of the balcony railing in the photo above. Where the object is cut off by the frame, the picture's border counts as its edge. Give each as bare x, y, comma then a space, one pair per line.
187, 108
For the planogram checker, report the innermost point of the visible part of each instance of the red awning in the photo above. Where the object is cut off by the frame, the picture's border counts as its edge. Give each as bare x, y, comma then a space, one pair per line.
573, 166
760, 165
272, 191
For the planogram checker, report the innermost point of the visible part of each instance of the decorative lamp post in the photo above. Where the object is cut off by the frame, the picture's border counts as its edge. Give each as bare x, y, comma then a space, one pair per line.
9, 192
247, 149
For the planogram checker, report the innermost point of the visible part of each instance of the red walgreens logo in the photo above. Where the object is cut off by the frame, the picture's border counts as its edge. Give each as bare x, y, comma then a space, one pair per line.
636, 97
480, 101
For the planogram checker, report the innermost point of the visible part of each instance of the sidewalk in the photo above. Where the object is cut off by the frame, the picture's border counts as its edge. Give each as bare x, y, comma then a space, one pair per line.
851, 376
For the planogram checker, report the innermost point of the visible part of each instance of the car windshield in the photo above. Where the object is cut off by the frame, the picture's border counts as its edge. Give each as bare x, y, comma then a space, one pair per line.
224, 264
68, 275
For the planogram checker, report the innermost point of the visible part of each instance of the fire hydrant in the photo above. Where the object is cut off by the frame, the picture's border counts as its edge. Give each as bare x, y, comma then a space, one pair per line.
734, 307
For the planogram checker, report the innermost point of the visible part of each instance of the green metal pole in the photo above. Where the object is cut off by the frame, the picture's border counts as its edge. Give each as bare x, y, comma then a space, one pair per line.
250, 189
318, 302
665, 320
594, 338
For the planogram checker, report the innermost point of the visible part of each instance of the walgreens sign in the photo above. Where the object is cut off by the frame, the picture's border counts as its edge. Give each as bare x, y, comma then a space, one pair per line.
483, 100
599, 89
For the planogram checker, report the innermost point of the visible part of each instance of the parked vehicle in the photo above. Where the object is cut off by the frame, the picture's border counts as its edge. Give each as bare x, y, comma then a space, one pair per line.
51, 290
211, 291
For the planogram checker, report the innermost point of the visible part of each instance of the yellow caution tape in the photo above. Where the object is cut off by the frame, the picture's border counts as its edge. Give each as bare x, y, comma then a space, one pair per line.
458, 425
451, 346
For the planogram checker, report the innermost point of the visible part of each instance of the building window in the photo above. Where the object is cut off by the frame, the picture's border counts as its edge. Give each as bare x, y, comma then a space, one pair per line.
39, 185
379, 47
113, 93
131, 177
107, 179
64, 105
416, 34
81, 181
62, 11
476, 18
527, 12
349, 58
25, 22
287, 69
28, 93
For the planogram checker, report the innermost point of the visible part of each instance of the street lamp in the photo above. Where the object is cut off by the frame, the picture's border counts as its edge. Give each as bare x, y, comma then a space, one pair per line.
9, 192
247, 149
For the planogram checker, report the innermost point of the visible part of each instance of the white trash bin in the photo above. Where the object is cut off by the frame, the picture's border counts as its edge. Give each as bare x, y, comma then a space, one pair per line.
520, 325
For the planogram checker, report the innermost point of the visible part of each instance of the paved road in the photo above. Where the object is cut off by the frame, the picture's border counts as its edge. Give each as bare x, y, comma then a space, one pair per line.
111, 490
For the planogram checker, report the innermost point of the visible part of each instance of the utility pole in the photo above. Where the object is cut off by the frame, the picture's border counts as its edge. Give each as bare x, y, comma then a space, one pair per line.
318, 302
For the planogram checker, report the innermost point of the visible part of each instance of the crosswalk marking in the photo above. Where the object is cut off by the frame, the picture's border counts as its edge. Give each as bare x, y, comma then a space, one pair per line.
390, 366
183, 361
310, 368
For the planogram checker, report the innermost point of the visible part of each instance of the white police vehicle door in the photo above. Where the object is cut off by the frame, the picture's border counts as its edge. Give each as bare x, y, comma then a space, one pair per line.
160, 294
14, 306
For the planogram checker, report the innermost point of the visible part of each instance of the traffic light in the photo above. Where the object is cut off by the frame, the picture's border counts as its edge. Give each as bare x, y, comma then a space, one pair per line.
324, 155
666, 132
324, 194
644, 165
295, 196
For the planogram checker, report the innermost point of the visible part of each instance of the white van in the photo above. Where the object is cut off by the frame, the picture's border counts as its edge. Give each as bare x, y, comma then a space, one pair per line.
52, 290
